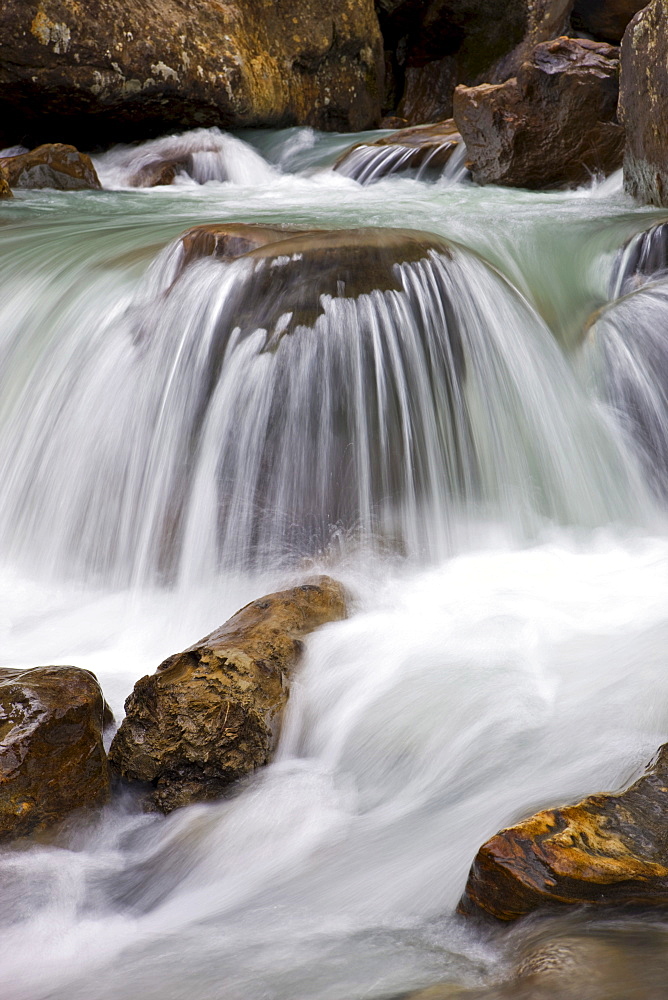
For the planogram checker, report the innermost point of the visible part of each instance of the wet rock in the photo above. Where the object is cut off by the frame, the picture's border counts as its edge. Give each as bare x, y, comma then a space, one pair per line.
109, 71
605, 19
643, 104
642, 258
436, 44
228, 240
5, 190
53, 165
608, 850
159, 173
419, 148
52, 760
211, 714
553, 125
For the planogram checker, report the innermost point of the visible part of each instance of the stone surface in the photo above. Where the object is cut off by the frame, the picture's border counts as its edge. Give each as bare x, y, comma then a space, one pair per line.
52, 165
553, 125
608, 850
107, 70
605, 19
642, 258
229, 240
421, 146
211, 714
51, 755
643, 104
432, 45
5, 190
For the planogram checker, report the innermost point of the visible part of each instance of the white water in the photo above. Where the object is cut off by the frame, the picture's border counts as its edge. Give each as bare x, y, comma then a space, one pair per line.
514, 659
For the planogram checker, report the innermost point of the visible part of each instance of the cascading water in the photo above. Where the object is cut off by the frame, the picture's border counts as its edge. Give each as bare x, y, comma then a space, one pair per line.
221, 424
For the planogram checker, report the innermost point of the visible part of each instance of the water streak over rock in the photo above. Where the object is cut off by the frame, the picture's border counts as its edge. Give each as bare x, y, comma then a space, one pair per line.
422, 148
212, 713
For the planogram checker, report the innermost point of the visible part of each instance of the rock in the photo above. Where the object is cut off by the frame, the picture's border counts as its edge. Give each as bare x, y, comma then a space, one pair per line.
109, 71
420, 147
642, 258
552, 125
5, 190
643, 104
605, 19
228, 240
608, 850
211, 714
436, 44
51, 166
158, 173
52, 759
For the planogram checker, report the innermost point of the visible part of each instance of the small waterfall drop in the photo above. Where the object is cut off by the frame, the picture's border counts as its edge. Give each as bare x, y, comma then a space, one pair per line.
360, 386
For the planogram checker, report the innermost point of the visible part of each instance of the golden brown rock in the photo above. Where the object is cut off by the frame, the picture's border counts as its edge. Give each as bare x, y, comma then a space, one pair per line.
553, 125
52, 165
51, 755
5, 190
643, 104
108, 70
417, 147
606, 850
229, 240
212, 713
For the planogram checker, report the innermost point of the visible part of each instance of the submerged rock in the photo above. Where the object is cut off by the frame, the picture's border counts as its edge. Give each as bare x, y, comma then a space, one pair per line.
417, 148
51, 755
608, 850
553, 125
228, 240
53, 165
643, 104
114, 71
212, 714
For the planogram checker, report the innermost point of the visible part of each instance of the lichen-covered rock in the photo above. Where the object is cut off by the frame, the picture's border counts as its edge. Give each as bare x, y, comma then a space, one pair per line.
605, 19
52, 165
423, 146
211, 714
107, 70
553, 125
643, 104
5, 190
51, 755
608, 850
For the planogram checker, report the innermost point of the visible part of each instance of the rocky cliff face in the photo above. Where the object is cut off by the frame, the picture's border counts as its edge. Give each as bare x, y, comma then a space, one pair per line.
106, 70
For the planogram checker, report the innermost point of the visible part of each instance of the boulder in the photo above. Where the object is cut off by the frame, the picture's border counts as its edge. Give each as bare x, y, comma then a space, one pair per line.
109, 71
51, 166
228, 240
605, 20
417, 148
608, 850
52, 759
5, 190
212, 714
435, 44
552, 125
643, 104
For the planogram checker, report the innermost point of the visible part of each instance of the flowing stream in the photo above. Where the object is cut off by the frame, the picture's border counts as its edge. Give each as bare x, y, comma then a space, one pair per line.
478, 453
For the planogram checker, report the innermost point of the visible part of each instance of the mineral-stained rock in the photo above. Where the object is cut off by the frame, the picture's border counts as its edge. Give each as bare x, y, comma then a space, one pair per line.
553, 125
407, 149
50, 166
643, 104
606, 850
108, 70
605, 19
211, 714
51, 755
5, 190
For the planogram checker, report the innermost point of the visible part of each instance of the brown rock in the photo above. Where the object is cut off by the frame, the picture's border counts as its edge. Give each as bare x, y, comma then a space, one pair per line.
51, 755
229, 240
643, 104
211, 714
407, 149
553, 125
605, 19
608, 850
5, 190
107, 70
51, 166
